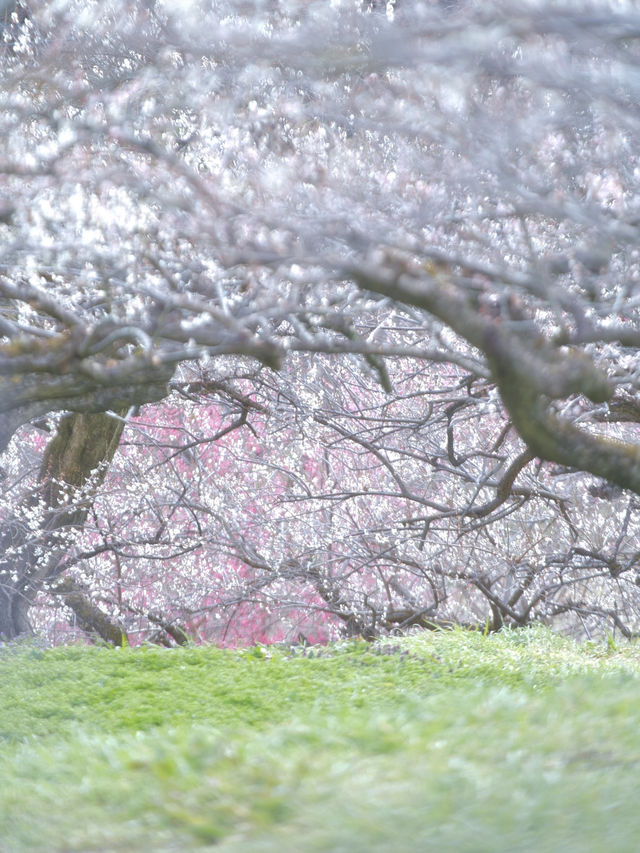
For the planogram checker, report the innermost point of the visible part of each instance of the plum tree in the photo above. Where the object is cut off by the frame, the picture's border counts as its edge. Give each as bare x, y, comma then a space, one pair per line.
388, 260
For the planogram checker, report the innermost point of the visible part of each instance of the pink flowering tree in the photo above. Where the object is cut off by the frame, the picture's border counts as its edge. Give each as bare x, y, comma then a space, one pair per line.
317, 316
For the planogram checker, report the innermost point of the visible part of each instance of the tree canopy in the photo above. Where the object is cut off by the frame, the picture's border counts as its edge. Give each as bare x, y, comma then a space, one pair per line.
377, 268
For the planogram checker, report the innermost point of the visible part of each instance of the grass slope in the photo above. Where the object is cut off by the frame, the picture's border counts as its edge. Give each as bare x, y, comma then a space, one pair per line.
521, 741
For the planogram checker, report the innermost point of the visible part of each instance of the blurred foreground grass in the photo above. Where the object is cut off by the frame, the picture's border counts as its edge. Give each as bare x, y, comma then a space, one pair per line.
521, 741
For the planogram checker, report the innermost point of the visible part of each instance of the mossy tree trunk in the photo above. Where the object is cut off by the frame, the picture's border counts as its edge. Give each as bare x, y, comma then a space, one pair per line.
74, 466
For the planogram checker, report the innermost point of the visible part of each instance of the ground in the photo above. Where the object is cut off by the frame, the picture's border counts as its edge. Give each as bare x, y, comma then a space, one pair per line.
447, 741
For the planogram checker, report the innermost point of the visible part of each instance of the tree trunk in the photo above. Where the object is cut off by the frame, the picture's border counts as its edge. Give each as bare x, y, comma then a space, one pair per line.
90, 618
77, 458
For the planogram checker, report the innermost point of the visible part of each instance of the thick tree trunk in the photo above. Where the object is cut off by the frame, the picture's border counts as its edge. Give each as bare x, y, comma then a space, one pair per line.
77, 457
14, 610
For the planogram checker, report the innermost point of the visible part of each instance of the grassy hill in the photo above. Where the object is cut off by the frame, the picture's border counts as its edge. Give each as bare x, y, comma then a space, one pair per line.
521, 741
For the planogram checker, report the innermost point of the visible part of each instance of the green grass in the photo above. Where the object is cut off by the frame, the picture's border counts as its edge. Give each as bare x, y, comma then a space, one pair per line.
521, 741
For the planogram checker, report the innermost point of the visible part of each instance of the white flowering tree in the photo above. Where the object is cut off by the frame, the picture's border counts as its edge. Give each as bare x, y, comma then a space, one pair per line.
318, 314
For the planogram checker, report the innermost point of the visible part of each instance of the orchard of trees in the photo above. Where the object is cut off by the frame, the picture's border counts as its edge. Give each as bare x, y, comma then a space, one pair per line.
318, 317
